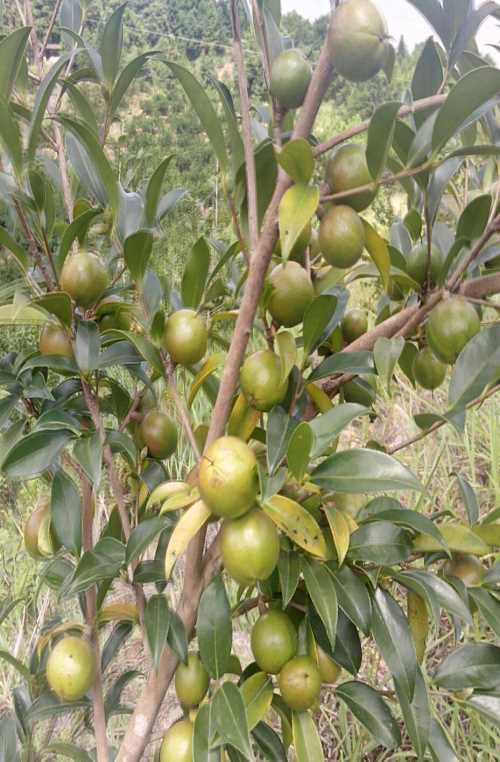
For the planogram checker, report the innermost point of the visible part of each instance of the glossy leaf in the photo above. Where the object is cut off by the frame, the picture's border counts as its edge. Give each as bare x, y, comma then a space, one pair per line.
322, 591
471, 666
316, 319
417, 715
111, 45
344, 362
156, 624
57, 303
137, 249
103, 562
459, 538
289, 574
34, 454
371, 710
488, 705
299, 450
87, 346
195, 274
88, 452
297, 159
297, 206
436, 592
469, 499
287, 351
10, 137
393, 637
12, 51
353, 597
126, 77
66, 512
43, 95
269, 743
428, 76
214, 628
177, 639
355, 471
186, 528
231, 719
306, 739
474, 218
478, 365
386, 353
341, 531
380, 137
296, 522
142, 536
411, 520
76, 229
380, 542
328, 426
489, 606
280, 427
379, 253
257, 693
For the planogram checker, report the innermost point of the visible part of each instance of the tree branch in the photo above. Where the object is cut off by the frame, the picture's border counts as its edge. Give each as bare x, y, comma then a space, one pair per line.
387, 180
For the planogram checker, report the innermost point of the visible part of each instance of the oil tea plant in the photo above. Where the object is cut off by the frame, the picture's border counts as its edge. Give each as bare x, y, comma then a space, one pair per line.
276, 522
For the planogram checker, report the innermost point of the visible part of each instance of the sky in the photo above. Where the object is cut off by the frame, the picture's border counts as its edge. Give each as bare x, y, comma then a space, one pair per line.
402, 19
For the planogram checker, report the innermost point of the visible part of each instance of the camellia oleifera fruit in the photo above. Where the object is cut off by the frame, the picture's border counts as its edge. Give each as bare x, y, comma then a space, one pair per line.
159, 434
451, 324
358, 40
228, 479
467, 568
261, 382
329, 670
191, 681
300, 683
292, 293
250, 547
290, 78
346, 170
362, 391
354, 325
114, 314
54, 340
273, 641
177, 744
429, 372
84, 277
341, 236
39, 539
185, 337
418, 260
71, 668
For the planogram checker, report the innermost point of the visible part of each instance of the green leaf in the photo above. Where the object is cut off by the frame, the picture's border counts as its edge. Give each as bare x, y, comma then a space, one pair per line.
299, 450
41, 102
297, 206
316, 318
66, 512
156, 624
88, 452
142, 536
177, 639
12, 51
306, 740
439, 744
204, 109
125, 79
287, 351
34, 454
459, 538
297, 159
269, 743
95, 160
411, 520
371, 710
207, 369
231, 719
358, 363
195, 274
380, 137
428, 76
10, 137
289, 574
145, 348
137, 250
487, 705
235, 140
83, 106
111, 45
393, 637
386, 353
379, 252
322, 591
477, 367
353, 597
296, 522
355, 471
153, 191
469, 499
87, 346
8, 738
474, 218
280, 427
472, 91
489, 606
57, 303
214, 628
328, 426
19, 666
15, 249
103, 562
204, 733
417, 714
471, 666
76, 229
257, 693
381, 543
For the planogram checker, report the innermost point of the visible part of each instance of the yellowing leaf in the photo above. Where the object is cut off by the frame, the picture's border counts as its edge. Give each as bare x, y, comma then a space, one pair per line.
287, 351
187, 527
59, 629
121, 611
296, 209
459, 538
297, 523
166, 490
341, 531
182, 500
418, 619
319, 398
213, 362
243, 419
257, 693
379, 252
489, 533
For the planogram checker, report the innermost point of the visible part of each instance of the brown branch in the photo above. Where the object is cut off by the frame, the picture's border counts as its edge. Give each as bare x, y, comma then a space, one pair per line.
50, 29
491, 229
246, 123
422, 105
386, 180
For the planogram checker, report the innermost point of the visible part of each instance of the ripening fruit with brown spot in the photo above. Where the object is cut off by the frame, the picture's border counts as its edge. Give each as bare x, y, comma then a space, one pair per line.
300, 683
260, 380
467, 568
358, 40
159, 434
71, 668
185, 337
191, 681
84, 277
227, 478
250, 547
346, 170
54, 340
341, 236
273, 641
177, 745
292, 292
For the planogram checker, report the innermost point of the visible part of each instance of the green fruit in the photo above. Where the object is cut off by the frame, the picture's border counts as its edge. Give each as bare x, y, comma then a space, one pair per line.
112, 315
336, 340
260, 379
84, 277
429, 372
358, 40
341, 237
300, 683
451, 324
54, 340
292, 293
417, 264
250, 547
177, 745
354, 325
347, 169
290, 78
191, 681
273, 641
298, 251
39, 539
228, 480
328, 669
361, 391
71, 668
185, 337
467, 568
159, 434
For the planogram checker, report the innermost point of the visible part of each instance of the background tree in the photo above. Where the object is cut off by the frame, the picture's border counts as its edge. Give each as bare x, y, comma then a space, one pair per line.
328, 566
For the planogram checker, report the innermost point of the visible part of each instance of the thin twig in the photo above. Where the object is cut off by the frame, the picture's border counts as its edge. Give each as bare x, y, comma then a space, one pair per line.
52, 23
371, 187
179, 404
